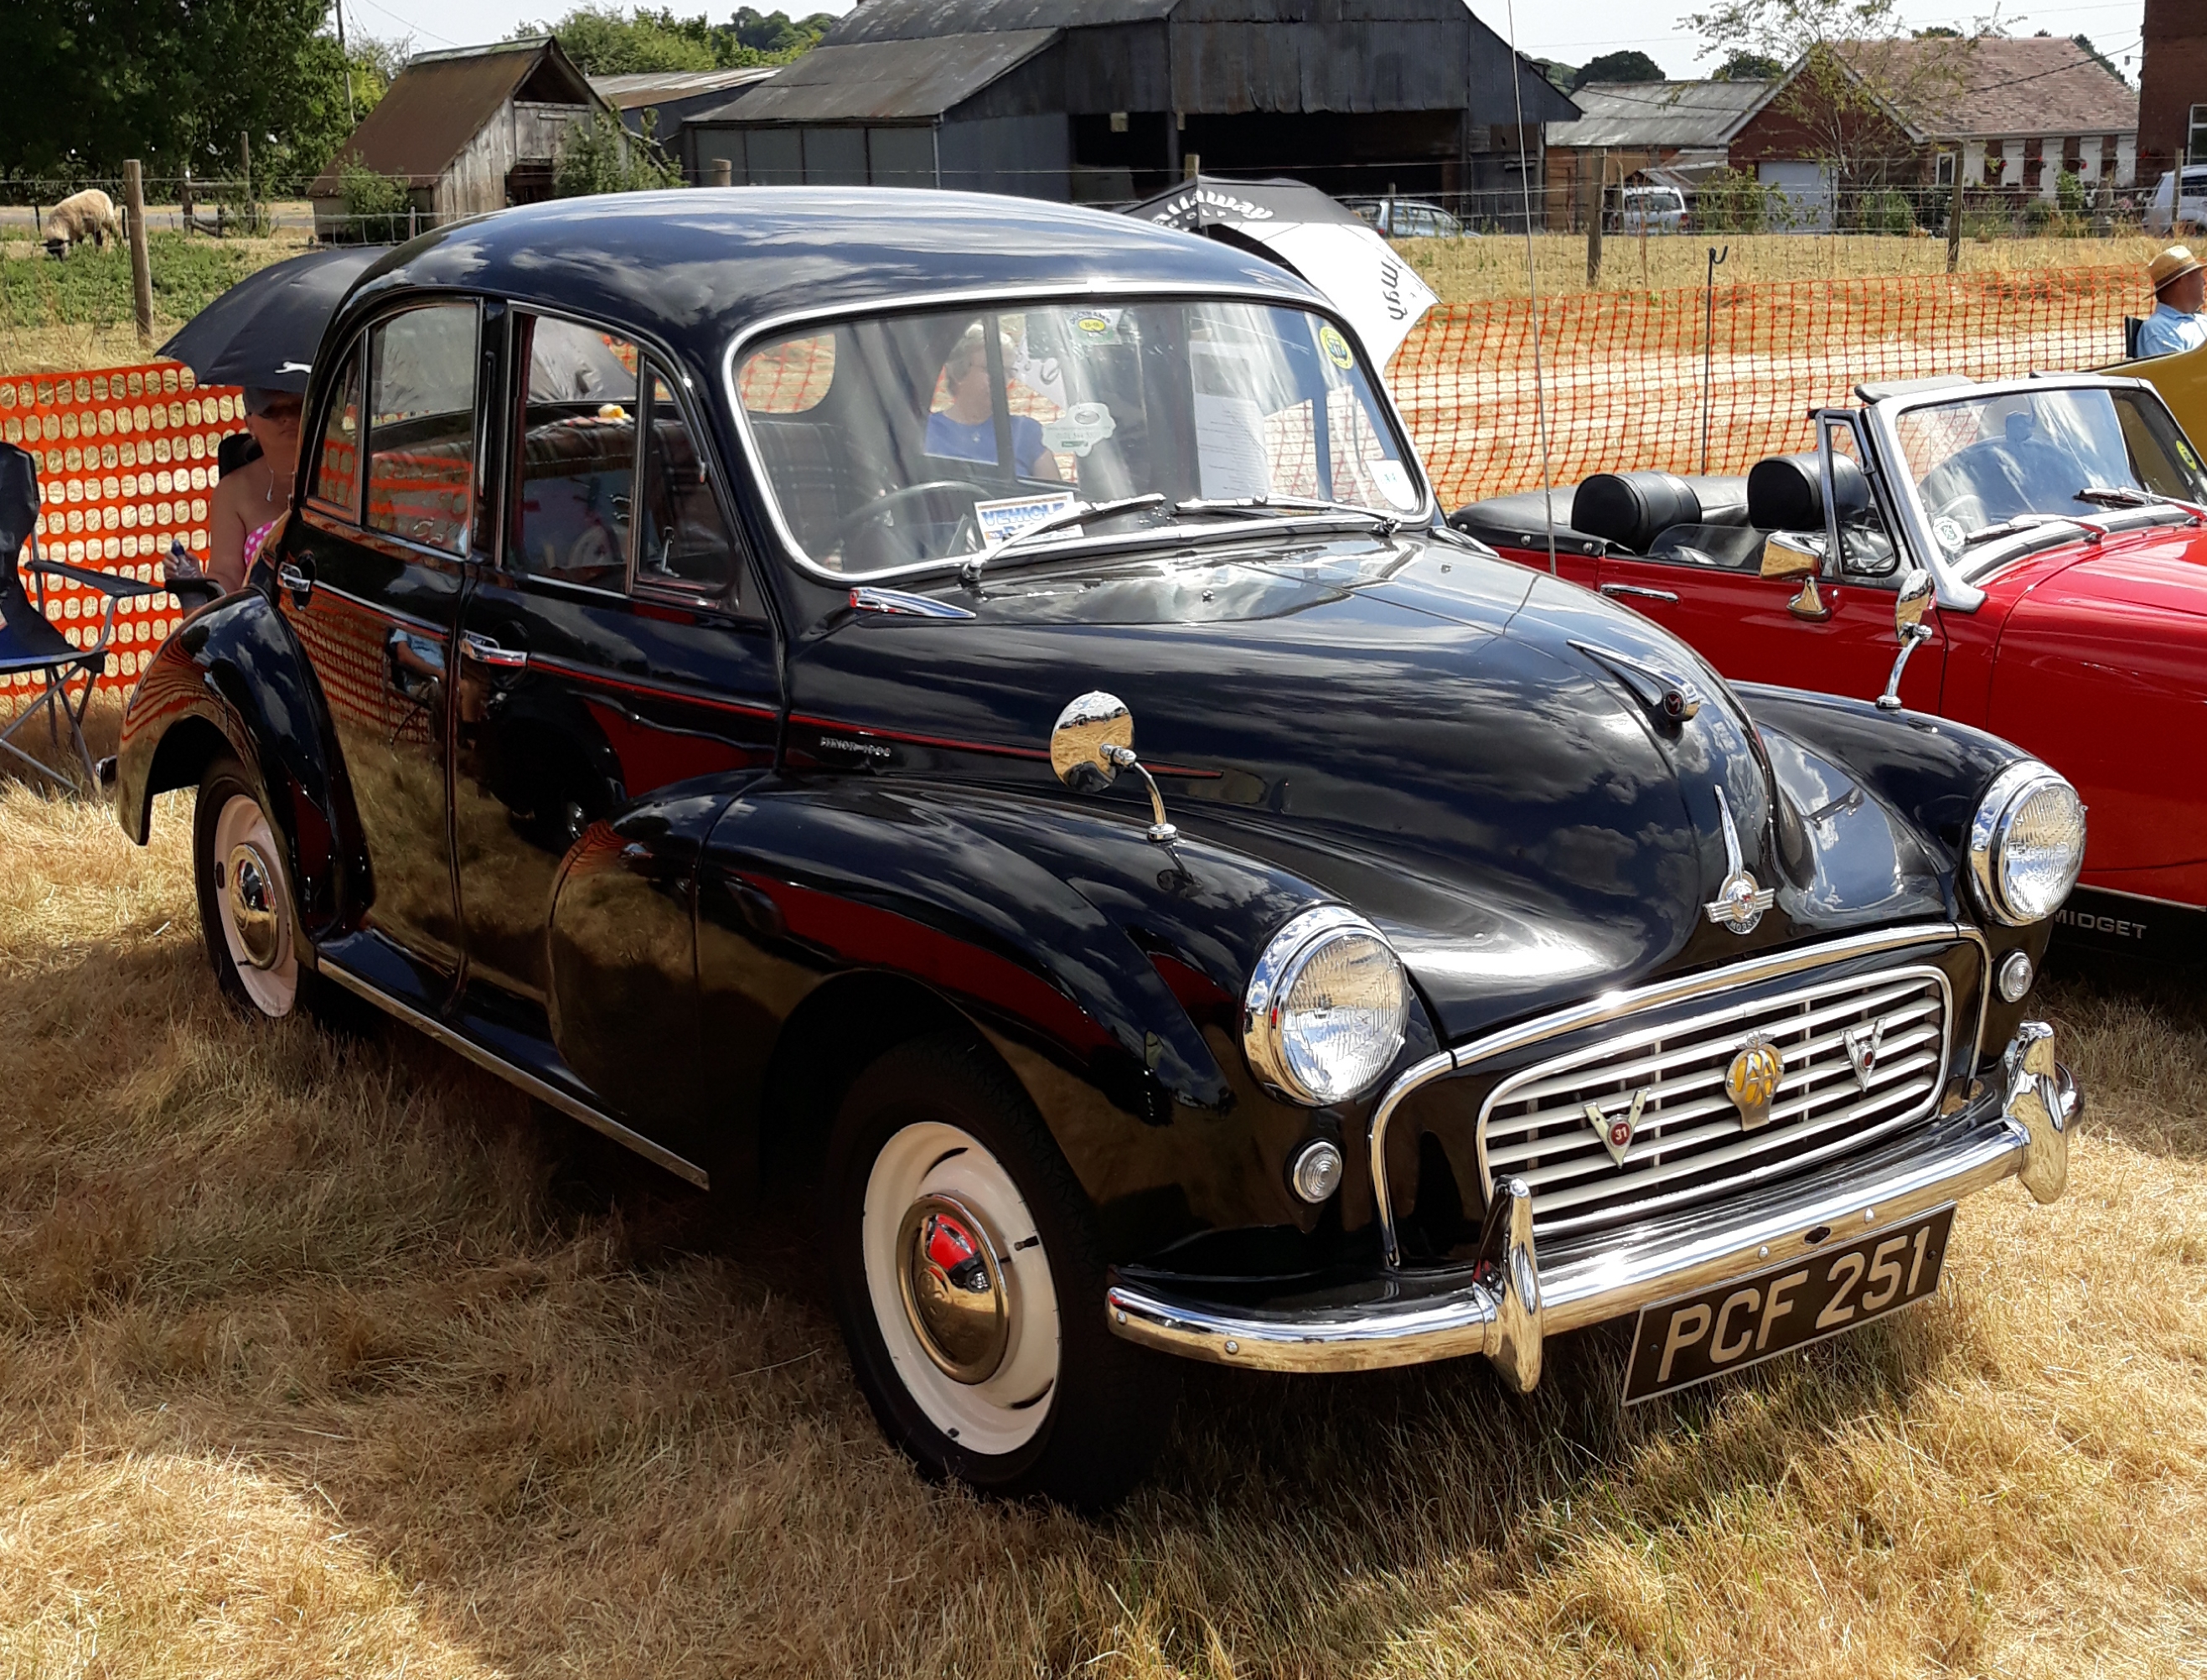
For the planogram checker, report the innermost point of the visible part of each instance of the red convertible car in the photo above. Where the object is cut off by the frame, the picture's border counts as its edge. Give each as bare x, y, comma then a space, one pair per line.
2035, 545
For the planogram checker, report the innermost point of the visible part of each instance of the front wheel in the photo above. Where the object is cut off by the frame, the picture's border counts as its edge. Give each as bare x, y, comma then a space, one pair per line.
247, 912
970, 1283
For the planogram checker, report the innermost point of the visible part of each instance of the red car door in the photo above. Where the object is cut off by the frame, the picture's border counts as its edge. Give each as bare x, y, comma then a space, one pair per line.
1833, 633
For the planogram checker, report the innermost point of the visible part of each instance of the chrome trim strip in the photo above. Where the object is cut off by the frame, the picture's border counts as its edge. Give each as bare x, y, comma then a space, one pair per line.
2135, 898
1113, 288
1599, 1281
1612, 1006
574, 1108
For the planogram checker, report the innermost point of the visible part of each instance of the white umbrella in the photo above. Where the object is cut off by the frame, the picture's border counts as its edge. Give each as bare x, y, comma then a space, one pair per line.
1310, 234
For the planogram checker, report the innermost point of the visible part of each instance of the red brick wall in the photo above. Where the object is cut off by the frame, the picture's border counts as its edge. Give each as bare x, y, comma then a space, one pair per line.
1775, 133
2172, 79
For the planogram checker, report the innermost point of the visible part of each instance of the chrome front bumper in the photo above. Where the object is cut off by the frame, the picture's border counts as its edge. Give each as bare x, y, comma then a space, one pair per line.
2017, 1128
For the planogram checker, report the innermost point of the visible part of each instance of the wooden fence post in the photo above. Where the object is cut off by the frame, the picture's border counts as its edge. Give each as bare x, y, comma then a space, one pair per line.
724, 173
1593, 221
1954, 218
142, 271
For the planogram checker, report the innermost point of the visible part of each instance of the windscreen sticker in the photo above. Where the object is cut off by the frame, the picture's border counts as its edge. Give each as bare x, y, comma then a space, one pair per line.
1097, 326
1079, 429
1000, 521
1335, 346
1393, 479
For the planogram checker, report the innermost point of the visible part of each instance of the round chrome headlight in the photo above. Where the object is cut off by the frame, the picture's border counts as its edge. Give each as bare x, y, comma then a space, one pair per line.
2026, 843
1323, 1019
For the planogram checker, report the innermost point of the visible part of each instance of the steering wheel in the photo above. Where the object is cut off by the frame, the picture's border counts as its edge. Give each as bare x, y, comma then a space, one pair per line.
889, 501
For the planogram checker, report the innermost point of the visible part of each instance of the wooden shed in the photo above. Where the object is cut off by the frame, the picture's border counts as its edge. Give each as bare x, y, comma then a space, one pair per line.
470, 130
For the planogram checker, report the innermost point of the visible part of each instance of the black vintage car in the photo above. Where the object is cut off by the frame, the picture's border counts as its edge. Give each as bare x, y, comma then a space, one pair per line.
969, 706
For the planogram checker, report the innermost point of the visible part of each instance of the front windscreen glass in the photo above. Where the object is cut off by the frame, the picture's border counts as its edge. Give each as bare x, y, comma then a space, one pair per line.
1981, 465
897, 440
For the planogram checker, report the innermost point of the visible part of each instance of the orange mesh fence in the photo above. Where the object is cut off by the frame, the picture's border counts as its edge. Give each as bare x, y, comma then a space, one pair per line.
1624, 372
126, 460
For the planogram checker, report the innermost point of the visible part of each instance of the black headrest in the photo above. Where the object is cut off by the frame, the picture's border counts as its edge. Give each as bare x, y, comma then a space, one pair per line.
234, 452
18, 504
1634, 509
1785, 492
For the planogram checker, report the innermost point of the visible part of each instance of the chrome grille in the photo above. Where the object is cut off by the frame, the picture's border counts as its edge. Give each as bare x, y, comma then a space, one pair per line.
1689, 1143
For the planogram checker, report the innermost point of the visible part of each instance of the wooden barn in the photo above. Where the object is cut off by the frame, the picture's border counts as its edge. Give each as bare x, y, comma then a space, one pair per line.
470, 130
1105, 100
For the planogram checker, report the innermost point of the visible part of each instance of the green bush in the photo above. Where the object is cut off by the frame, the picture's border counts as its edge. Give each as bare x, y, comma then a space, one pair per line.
375, 206
600, 156
1733, 201
1887, 212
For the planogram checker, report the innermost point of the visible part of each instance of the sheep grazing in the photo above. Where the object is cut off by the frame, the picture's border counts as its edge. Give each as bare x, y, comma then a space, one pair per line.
89, 214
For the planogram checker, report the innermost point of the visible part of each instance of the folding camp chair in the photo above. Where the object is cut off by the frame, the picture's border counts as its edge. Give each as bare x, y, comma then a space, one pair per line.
28, 640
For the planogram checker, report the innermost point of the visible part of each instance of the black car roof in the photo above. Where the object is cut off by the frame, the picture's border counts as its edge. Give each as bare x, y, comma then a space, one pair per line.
695, 268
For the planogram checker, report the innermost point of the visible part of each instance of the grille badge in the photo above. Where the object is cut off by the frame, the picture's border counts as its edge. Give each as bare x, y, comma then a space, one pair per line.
1616, 1130
1863, 1043
1752, 1080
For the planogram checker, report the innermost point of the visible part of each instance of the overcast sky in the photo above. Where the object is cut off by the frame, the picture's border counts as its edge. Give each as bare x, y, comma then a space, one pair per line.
1571, 30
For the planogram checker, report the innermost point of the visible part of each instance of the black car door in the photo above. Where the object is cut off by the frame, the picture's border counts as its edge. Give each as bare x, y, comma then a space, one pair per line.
375, 576
617, 650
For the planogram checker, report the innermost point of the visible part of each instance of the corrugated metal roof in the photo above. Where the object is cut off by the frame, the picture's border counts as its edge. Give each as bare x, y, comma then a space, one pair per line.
438, 103
626, 92
918, 20
1659, 113
893, 80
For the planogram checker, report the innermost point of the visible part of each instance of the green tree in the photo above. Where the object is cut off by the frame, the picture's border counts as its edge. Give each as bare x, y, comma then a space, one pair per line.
1560, 75
1745, 66
2100, 58
604, 40
1617, 67
600, 156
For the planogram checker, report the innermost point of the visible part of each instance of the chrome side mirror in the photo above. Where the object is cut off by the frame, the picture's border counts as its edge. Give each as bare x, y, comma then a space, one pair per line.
1092, 742
1787, 555
1909, 606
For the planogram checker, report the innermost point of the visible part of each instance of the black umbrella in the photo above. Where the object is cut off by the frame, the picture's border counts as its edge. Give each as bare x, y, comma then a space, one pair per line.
1310, 234
264, 330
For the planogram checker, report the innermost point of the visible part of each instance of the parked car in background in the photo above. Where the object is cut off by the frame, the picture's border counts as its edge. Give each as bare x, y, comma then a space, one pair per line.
1409, 218
688, 685
2056, 524
2167, 213
1650, 209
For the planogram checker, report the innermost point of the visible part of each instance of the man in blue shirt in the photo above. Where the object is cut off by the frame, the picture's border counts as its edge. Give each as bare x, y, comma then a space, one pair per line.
967, 430
2180, 287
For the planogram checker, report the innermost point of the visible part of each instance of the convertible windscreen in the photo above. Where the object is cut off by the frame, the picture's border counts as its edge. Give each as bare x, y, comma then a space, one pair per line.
895, 441
1982, 463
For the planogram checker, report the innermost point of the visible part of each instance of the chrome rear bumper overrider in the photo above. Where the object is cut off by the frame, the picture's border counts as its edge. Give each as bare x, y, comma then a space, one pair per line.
2018, 1128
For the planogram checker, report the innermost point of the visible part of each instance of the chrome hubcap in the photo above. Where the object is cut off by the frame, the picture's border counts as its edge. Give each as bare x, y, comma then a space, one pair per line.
249, 889
954, 1288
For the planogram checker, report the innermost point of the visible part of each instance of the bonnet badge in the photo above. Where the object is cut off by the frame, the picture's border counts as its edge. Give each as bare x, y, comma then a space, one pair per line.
1739, 902
1616, 1130
1752, 1080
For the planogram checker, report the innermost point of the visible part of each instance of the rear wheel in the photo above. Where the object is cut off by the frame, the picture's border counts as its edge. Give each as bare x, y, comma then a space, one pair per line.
970, 1283
247, 911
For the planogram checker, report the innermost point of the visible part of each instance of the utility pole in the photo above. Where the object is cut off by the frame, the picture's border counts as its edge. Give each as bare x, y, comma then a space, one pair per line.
344, 53
142, 271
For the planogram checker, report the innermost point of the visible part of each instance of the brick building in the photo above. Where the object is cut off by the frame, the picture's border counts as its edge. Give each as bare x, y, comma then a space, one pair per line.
2173, 88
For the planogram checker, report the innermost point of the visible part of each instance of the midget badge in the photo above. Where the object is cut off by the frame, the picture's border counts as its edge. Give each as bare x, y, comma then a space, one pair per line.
1752, 1080
1862, 1044
1615, 1131
1739, 903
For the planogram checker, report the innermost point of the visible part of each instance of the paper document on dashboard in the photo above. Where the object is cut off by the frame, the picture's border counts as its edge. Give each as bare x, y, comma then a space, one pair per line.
1229, 447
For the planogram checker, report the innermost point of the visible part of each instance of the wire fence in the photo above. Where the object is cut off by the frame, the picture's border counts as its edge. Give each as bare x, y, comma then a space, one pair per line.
126, 457
1624, 372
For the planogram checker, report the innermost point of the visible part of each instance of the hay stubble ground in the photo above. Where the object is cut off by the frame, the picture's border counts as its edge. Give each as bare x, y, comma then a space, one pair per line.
327, 1357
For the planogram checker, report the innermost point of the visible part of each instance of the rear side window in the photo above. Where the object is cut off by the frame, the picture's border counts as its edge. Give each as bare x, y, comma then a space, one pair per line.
421, 433
336, 465
575, 490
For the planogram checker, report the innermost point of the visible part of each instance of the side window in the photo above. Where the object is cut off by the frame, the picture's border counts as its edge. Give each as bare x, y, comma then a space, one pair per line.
421, 440
337, 464
574, 489
683, 542
1866, 548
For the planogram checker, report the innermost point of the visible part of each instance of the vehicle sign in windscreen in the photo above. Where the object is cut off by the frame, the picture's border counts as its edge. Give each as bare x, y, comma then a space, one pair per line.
895, 441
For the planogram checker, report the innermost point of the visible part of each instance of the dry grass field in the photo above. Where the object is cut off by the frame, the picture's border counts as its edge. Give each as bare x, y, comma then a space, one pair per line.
1470, 271
323, 1356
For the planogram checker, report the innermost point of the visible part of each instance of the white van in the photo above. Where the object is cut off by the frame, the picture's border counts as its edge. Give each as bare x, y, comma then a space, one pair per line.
1656, 209
2163, 215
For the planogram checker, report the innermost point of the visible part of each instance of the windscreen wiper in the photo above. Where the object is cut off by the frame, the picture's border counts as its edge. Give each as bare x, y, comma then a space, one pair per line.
1388, 523
970, 572
2125, 495
2031, 521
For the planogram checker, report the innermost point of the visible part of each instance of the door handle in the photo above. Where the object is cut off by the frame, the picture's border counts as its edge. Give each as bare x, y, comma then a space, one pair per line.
481, 649
1639, 593
297, 576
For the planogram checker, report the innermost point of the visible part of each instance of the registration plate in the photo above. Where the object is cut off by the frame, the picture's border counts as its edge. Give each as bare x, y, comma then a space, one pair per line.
1749, 1319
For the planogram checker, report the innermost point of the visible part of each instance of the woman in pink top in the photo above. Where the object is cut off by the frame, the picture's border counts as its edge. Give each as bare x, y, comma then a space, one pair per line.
248, 503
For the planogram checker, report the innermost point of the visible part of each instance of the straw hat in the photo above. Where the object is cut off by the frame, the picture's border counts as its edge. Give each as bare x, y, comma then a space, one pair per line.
2174, 264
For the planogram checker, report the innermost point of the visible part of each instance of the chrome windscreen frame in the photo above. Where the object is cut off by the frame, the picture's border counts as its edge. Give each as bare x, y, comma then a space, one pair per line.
1116, 291
1622, 1005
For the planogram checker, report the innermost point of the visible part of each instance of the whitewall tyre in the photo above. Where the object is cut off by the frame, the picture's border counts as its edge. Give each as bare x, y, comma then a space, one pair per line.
247, 911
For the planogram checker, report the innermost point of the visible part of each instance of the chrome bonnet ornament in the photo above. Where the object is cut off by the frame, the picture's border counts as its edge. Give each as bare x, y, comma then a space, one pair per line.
1092, 742
1741, 900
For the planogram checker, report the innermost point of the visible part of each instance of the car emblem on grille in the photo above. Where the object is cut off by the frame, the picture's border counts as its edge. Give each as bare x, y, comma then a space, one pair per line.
1863, 1043
1752, 1080
1616, 1130
1739, 903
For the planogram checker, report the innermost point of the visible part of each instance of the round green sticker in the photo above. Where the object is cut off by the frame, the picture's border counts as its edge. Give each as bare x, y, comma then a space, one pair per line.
1336, 347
